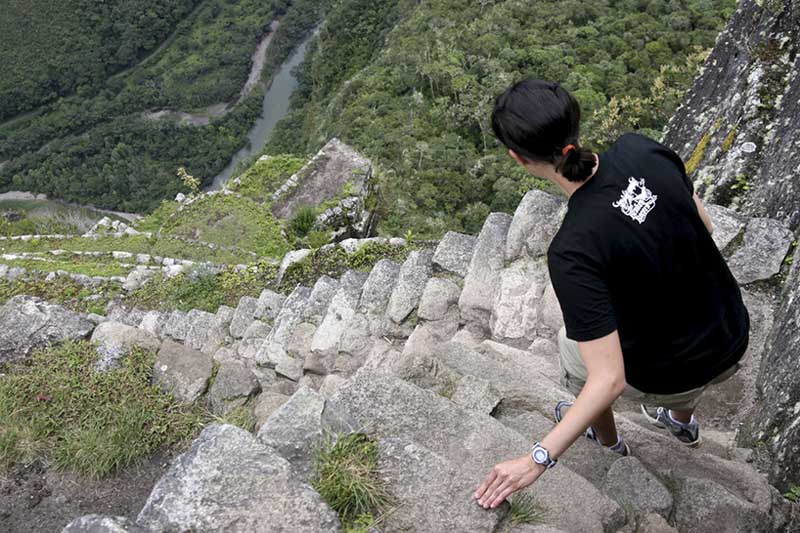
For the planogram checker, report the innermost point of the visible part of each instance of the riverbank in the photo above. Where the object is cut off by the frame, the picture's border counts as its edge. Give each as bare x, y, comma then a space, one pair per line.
203, 118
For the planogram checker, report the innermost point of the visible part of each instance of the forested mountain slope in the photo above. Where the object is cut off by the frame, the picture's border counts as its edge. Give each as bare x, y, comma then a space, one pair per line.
416, 94
95, 145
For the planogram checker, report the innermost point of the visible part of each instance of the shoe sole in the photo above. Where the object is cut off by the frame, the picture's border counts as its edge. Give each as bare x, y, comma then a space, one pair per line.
656, 423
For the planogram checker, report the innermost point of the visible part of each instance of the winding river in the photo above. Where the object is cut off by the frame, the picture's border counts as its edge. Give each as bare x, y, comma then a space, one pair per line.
274, 107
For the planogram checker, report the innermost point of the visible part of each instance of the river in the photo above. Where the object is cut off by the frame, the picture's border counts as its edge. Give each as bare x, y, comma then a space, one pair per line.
274, 107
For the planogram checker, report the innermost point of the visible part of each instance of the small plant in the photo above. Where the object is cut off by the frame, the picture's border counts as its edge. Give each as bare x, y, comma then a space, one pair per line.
318, 238
448, 388
188, 180
409, 236
524, 510
793, 494
303, 220
346, 478
241, 416
741, 184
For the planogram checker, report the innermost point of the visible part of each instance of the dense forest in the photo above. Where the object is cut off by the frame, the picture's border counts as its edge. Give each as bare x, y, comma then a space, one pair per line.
412, 84
93, 144
409, 83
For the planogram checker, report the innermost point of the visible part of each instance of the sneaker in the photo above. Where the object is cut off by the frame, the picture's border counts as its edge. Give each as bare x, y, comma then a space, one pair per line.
621, 447
688, 434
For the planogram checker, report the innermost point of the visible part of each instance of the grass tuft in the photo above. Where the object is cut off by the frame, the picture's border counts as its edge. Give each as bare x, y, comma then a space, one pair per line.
345, 475
524, 510
58, 408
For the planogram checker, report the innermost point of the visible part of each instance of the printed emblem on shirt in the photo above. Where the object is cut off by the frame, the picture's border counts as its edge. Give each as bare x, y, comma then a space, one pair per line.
637, 200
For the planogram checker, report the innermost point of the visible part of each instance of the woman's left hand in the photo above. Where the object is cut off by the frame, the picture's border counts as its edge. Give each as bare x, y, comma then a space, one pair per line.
506, 478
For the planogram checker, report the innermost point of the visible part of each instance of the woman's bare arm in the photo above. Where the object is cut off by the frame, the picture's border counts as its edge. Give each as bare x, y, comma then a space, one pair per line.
701, 210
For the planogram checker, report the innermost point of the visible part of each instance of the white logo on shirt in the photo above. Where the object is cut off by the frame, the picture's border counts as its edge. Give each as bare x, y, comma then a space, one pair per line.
637, 200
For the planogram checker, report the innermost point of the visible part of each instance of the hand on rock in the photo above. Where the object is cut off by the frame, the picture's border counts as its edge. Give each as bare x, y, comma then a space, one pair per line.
506, 478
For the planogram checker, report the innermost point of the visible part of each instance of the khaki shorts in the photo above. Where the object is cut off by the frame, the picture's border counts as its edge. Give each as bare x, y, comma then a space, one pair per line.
574, 374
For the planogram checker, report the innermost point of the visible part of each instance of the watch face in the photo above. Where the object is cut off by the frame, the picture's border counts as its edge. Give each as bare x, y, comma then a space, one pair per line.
540, 456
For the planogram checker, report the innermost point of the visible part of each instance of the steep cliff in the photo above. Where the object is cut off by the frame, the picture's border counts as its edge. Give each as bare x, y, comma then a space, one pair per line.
737, 128
737, 131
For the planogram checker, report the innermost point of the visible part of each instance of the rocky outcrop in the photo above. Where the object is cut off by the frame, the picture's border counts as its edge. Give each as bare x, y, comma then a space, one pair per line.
338, 172
737, 127
29, 323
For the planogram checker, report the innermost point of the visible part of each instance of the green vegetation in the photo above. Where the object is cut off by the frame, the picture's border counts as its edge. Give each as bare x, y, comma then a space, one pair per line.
54, 48
88, 266
58, 408
65, 292
264, 177
241, 416
303, 220
524, 510
346, 476
100, 147
793, 494
412, 84
231, 220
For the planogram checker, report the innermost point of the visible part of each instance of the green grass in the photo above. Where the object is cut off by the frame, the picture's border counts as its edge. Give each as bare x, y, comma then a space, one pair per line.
241, 416
137, 244
57, 408
346, 476
524, 510
158, 217
64, 292
230, 220
77, 265
265, 177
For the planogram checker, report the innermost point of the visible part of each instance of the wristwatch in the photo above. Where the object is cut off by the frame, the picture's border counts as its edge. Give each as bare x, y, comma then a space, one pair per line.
541, 456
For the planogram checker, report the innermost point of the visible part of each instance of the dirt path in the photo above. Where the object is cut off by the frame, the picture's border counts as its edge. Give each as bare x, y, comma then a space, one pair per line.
203, 117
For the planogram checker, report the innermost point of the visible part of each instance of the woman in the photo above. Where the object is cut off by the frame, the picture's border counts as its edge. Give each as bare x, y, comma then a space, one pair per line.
651, 310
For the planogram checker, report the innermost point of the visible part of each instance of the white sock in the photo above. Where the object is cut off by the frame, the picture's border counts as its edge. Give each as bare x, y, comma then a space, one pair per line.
683, 424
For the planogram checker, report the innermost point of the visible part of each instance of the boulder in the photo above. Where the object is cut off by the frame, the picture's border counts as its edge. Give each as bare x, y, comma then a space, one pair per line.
379, 286
233, 386
476, 393
436, 299
727, 224
483, 278
520, 293
297, 428
229, 481
269, 305
253, 338
536, 221
320, 298
432, 492
94, 523
243, 316
153, 322
414, 273
200, 325
291, 257
137, 277
181, 371
766, 243
28, 323
115, 340
632, 485
267, 403
454, 253
392, 408
176, 326
291, 314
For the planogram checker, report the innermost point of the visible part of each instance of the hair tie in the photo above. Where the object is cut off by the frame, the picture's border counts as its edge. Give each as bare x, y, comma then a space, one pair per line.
567, 148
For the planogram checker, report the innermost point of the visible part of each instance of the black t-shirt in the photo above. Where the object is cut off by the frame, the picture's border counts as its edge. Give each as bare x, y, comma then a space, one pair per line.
633, 254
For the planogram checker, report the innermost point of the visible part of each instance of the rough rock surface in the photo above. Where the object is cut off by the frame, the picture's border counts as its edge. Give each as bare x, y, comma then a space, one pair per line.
414, 272
775, 420
29, 323
182, 371
436, 299
228, 481
233, 386
739, 118
483, 280
766, 243
298, 426
536, 221
630, 483
94, 523
379, 286
454, 253
115, 340
727, 224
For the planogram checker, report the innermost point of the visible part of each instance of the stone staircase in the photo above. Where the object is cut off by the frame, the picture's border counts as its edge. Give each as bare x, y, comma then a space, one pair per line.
448, 361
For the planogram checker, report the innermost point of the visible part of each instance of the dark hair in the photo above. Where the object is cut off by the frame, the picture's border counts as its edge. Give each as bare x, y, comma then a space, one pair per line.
537, 119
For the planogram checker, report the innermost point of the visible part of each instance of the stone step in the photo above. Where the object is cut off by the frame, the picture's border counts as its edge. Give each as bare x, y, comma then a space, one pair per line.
437, 431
